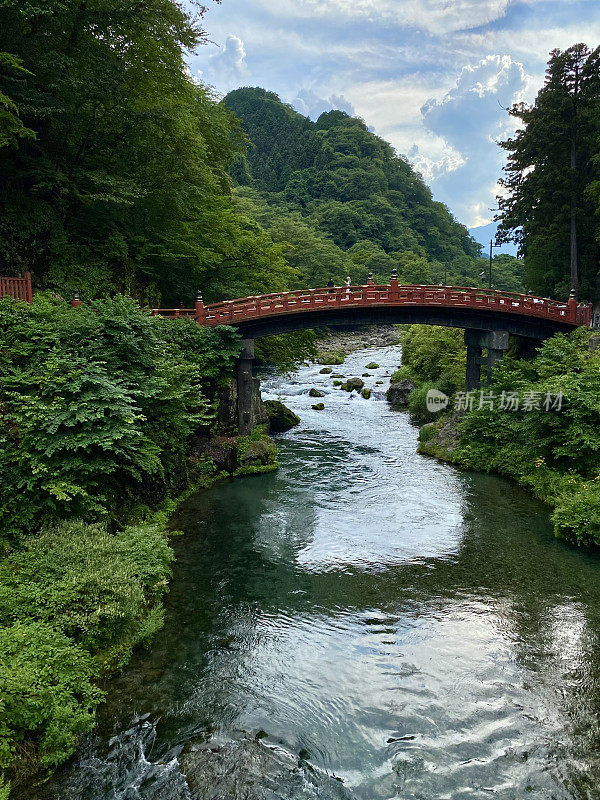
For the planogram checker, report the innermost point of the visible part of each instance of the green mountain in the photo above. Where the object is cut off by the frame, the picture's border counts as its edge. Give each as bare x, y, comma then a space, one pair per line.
335, 187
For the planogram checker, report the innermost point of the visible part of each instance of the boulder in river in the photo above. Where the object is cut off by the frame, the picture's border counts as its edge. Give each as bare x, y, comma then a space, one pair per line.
281, 417
326, 371
399, 391
331, 357
372, 365
366, 393
318, 407
316, 393
353, 384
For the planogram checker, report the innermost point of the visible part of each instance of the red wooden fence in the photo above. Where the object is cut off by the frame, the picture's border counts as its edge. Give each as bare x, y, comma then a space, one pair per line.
19, 288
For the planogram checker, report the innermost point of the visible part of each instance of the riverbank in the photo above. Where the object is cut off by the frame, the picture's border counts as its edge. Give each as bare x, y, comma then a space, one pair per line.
538, 423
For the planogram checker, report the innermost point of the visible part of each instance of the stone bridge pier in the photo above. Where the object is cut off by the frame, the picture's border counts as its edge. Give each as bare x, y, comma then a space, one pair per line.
496, 344
245, 387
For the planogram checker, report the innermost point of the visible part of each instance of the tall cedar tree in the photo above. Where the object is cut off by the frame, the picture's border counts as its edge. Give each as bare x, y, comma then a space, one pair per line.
551, 203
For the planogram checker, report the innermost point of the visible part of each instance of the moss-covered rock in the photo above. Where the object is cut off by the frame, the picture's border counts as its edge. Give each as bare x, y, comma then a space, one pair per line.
366, 393
353, 384
256, 454
281, 417
316, 393
326, 371
331, 357
367, 375
338, 383
372, 365
318, 407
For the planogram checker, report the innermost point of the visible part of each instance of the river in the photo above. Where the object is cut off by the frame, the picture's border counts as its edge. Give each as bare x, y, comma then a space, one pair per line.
366, 623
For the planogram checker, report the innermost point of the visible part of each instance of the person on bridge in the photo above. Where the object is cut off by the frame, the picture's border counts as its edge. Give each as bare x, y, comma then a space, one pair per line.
331, 285
348, 285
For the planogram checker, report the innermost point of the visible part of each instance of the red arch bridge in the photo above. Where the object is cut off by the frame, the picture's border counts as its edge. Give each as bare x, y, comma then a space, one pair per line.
488, 318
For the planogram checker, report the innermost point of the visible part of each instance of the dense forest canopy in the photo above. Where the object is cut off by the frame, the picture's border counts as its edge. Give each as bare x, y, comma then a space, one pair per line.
552, 180
336, 179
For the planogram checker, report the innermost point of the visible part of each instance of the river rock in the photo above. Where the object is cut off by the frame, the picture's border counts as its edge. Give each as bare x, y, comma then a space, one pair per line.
318, 407
326, 371
399, 391
251, 769
372, 365
316, 393
366, 393
353, 384
331, 357
257, 454
281, 417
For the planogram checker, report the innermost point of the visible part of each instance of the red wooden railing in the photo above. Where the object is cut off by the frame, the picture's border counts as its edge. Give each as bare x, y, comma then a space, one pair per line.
19, 288
232, 312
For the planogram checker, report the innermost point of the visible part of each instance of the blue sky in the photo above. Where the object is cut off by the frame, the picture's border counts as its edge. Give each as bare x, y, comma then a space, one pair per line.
430, 76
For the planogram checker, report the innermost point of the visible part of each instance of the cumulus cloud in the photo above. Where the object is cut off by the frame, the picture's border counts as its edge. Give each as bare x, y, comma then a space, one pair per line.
310, 104
471, 118
227, 68
435, 16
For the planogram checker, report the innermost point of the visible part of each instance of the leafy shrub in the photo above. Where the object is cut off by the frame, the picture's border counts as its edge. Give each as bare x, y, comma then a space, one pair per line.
74, 601
95, 587
97, 405
577, 515
430, 351
417, 403
46, 686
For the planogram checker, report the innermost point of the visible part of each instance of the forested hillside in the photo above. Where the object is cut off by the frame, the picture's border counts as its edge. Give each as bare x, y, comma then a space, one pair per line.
343, 199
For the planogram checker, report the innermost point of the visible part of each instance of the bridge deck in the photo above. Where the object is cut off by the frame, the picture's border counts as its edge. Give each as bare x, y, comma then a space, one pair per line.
234, 312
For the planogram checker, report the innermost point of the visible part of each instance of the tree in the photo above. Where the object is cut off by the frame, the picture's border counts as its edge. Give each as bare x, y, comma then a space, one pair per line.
549, 206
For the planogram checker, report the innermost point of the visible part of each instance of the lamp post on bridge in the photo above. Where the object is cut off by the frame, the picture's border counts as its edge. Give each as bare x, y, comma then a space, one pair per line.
492, 245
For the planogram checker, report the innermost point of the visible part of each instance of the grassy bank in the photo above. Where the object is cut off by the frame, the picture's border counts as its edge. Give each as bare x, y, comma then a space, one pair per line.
553, 451
101, 411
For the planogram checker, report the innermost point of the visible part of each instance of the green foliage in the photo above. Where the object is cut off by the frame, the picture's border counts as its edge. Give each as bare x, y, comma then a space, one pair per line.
434, 354
47, 689
417, 404
287, 350
74, 601
577, 514
553, 452
98, 404
120, 182
552, 175
97, 588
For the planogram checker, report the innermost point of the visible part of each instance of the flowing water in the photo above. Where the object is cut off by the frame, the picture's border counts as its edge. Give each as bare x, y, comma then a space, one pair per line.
366, 623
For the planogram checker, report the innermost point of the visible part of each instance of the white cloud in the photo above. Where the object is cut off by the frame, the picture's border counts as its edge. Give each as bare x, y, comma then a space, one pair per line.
434, 16
471, 118
394, 109
227, 68
310, 104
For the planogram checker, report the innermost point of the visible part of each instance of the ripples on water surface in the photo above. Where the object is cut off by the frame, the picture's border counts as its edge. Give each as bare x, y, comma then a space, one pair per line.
411, 629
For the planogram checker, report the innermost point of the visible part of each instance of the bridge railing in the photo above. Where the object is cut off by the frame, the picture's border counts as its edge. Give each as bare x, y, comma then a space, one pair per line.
19, 288
231, 312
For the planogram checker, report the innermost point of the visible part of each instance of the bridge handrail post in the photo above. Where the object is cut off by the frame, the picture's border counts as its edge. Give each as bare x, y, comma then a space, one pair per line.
199, 311
394, 295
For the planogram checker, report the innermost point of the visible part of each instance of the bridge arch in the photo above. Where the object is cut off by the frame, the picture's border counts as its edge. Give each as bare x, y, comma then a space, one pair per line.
487, 317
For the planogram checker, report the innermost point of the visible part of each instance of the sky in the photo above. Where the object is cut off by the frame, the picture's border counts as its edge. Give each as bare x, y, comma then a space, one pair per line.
432, 77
